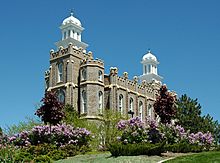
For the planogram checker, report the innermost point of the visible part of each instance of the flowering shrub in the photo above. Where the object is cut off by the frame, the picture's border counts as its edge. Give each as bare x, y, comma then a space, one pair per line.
177, 134
154, 134
133, 131
6, 150
201, 138
60, 135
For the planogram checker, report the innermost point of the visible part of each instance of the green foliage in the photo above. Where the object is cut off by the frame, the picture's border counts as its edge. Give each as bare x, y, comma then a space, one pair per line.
23, 156
164, 105
27, 125
189, 113
43, 159
183, 147
104, 131
189, 116
7, 153
1, 132
119, 149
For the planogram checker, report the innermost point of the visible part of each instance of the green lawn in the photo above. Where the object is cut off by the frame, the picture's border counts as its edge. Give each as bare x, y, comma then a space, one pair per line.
106, 158
204, 157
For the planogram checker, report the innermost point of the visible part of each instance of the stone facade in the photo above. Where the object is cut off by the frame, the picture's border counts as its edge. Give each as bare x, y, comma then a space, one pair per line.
80, 80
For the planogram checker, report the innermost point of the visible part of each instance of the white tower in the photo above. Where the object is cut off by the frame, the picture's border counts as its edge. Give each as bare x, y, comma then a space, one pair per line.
150, 63
71, 29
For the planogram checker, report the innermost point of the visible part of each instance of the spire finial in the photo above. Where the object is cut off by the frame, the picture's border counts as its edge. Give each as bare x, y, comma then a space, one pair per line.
149, 51
71, 12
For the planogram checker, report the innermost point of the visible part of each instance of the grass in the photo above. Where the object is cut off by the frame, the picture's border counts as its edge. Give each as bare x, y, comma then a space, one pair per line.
204, 157
106, 158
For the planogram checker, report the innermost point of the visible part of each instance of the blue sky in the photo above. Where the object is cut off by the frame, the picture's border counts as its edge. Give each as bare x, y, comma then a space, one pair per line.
184, 35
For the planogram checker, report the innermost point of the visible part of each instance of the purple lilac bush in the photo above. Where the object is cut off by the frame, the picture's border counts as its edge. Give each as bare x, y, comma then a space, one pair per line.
201, 138
134, 131
60, 135
178, 134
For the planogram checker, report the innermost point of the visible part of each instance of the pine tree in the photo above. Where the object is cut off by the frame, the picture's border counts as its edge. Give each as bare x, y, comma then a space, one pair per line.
189, 116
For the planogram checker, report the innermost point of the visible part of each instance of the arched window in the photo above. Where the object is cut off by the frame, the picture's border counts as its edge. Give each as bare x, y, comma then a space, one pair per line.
100, 102
131, 104
120, 105
150, 111
141, 110
61, 96
84, 102
100, 75
60, 72
84, 74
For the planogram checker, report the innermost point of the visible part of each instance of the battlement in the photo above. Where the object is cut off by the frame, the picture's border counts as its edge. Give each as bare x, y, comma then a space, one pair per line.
71, 49
91, 61
133, 85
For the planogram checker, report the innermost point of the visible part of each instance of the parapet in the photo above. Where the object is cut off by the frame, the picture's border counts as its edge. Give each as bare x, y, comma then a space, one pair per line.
71, 49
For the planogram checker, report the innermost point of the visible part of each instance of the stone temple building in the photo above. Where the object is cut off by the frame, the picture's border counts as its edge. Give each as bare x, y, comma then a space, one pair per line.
83, 82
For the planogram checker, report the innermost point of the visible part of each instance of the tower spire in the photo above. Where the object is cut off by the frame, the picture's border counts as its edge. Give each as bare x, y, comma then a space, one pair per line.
71, 12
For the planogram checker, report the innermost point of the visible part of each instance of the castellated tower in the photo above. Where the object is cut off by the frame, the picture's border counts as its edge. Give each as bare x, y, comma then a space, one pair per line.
91, 88
79, 80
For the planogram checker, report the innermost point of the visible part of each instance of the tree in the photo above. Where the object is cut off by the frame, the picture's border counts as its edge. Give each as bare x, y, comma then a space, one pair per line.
52, 110
189, 116
1, 132
164, 105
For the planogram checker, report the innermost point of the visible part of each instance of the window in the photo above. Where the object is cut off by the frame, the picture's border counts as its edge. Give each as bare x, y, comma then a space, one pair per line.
150, 111
61, 96
47, 84
60, 72
145, 69
64, 37
100, 102
77, 36
141, 110
149, 69
84, 102
120, 106
100, 75
83, 74
131, 106
69, 33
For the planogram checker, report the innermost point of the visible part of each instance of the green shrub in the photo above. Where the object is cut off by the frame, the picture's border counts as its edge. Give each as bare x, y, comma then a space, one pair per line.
57, 154
43, 159
70, 150
23, 156
119, 149
184, 147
